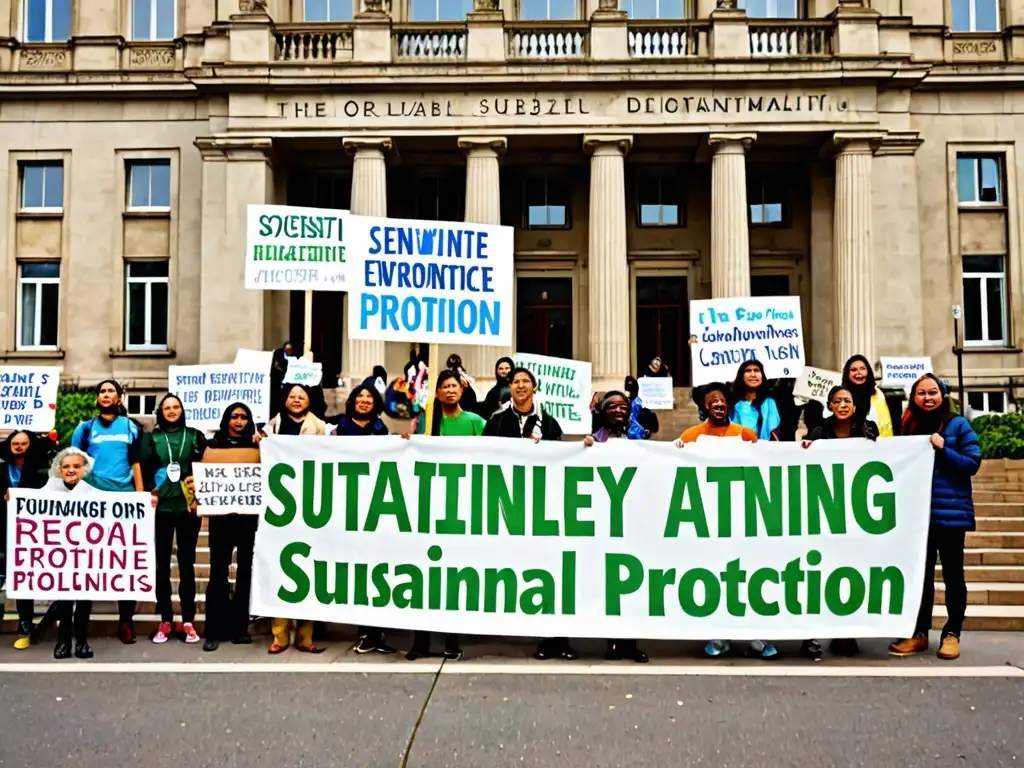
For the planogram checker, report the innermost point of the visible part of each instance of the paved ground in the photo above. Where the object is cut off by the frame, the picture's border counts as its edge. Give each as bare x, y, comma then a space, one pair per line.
174, 705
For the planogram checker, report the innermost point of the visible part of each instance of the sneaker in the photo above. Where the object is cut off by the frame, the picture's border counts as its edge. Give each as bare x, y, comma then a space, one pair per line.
909, 647
383, 647
759, 649
162, 634
950, 648
83, 650
365, 645
191, 636
717, 648
811, 649
62, 651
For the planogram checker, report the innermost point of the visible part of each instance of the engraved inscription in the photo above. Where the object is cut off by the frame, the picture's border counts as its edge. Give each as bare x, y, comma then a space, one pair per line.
973, 47
156, 58
44, 58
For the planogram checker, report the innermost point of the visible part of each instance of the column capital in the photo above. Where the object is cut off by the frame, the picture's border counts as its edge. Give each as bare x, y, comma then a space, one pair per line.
731, 143
213, 148
356, 144
856, 142
605, 144
483, 145
899, 143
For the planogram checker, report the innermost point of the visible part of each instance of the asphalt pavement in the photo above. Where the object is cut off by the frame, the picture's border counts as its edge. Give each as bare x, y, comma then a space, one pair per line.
174, 705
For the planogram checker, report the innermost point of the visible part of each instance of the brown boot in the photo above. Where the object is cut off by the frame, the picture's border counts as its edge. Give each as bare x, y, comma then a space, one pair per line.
950, 648
909, 647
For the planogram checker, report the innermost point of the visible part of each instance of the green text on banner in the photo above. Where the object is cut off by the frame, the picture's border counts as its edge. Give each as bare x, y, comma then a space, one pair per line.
625, 539
564, 390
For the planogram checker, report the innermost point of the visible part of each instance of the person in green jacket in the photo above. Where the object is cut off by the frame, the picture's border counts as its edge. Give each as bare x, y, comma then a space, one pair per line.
166, 456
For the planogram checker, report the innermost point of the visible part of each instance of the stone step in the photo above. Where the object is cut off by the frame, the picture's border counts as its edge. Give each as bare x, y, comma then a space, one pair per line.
1000, 524
994, 593
984, 540
999, 509
997, 497
994, 556
986, 618
985, 574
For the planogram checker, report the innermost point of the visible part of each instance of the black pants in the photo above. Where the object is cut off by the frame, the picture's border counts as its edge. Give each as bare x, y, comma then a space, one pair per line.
73, 616
227, 613
26, 610
185, 527
948, 543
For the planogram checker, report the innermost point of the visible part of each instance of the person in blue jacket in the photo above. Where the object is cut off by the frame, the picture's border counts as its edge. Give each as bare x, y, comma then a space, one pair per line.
957, 459
753, 406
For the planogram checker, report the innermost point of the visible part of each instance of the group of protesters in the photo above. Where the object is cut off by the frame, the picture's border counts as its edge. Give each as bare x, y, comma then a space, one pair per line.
113, 453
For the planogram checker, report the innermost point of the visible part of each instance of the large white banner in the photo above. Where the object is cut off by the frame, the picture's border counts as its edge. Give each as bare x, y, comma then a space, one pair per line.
80, 546
288, 248
28, 397
430, 281
625, 539
564, 389
206, 390
727, 332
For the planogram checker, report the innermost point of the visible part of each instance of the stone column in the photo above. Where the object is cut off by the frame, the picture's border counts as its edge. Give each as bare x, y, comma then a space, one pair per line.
483, 206
369, 198
236, 173
608, 266
730, 227
853, 274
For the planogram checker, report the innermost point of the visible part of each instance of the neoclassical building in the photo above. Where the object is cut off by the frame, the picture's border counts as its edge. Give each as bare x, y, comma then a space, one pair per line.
860, 154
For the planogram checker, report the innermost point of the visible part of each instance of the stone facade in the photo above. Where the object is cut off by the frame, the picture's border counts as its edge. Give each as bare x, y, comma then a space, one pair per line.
862, 156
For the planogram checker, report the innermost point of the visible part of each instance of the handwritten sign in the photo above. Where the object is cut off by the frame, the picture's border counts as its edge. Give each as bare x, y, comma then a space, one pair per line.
288, 248
902, 372
305, 372
206, 390
816, 383
564, 389
80, 546
227, 489
728, 332
28, 397
656, 392
430, 281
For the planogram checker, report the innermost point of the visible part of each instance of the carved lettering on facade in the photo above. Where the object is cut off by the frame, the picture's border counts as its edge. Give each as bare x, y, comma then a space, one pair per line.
44, 58
155, 58
973, 47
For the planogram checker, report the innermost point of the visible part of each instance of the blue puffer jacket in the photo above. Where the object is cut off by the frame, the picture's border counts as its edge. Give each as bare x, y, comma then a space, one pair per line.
955, 464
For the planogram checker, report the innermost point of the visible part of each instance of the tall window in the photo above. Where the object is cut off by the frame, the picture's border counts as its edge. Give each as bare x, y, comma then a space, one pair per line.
546, 201
652, 9
979, 179
38, 304
149, 185
663, 324
544, 316
42, 187
658, 203
986, 402
770, 9
975, 16
439, 198
328, 10
439, 10
766, 198
547, 10
153, 19
47, 21
984, 301
146, 306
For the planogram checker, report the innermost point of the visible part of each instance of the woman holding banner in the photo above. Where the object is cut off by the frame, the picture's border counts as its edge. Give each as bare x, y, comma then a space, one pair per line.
295, 419
23, 467
167, 454
957, 460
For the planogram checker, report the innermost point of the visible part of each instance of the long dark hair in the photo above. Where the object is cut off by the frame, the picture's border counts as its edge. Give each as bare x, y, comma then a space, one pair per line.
378, 402
35, 455
221, 435
761, 393
862, 393
918, 421
162, 422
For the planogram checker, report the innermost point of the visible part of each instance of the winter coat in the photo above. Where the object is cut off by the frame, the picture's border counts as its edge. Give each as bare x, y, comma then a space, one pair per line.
505, 423
955, 464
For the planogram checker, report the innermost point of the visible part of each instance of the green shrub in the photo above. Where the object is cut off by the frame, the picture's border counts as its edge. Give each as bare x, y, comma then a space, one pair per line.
74, 406
1001, 436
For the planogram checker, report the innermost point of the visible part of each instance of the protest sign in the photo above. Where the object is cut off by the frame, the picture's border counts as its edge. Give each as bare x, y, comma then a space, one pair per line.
563, 389
206, 390
288, 248
816, 383
902, 372
656, 393
225, 489
28, 397
305, 372
624, 539
256, 359
85, 545
430, 281
728, 332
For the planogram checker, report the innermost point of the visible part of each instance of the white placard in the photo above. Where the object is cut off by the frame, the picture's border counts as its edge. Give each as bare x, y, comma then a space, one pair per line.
656, 392
207, 390
289, 248
816, 383
257, 359
728, 332
226, 489
307, 372
902, 372
564, 389
28, 397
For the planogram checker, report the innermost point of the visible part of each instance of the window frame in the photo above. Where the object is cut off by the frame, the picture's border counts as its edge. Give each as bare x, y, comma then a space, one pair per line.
759, 176
48, 12
799, 8
972, 15
23, 166
577, 16
143, 396
149, 282
19, 316
985, 394
687, 14
547, 177
976, 158
442, 181
131, 164
662, 176
352, 12
435, 19
984, 277
154, 17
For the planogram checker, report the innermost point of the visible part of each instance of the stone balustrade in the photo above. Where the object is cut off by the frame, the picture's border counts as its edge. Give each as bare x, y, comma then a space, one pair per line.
790, 38
313, 43
444, 42
547, 40
658, 40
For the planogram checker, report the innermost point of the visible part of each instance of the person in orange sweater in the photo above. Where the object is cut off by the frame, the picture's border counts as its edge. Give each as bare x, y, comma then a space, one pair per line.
716, 404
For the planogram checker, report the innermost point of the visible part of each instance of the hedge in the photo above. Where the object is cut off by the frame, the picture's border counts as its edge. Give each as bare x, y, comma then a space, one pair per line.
1001, 435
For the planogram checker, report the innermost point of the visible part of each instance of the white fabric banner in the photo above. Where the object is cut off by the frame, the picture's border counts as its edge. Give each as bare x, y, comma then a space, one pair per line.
626, 539
80, 546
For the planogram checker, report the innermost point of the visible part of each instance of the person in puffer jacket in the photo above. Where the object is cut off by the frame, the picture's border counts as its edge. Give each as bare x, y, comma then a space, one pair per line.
957, 459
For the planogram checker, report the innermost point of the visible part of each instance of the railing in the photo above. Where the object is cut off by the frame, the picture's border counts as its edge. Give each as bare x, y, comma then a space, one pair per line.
532, 41
312, 43
652, 40
790, 38
444, 43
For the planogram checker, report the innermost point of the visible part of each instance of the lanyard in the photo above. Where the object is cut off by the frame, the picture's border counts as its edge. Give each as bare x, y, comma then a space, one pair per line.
170, 453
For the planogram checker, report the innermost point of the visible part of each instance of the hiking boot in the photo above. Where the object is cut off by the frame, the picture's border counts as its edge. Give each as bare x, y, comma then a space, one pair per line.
950, 648
909, 647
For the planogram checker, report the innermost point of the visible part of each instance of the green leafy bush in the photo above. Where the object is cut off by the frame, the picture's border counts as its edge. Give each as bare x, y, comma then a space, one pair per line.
74, 405
1001, 436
